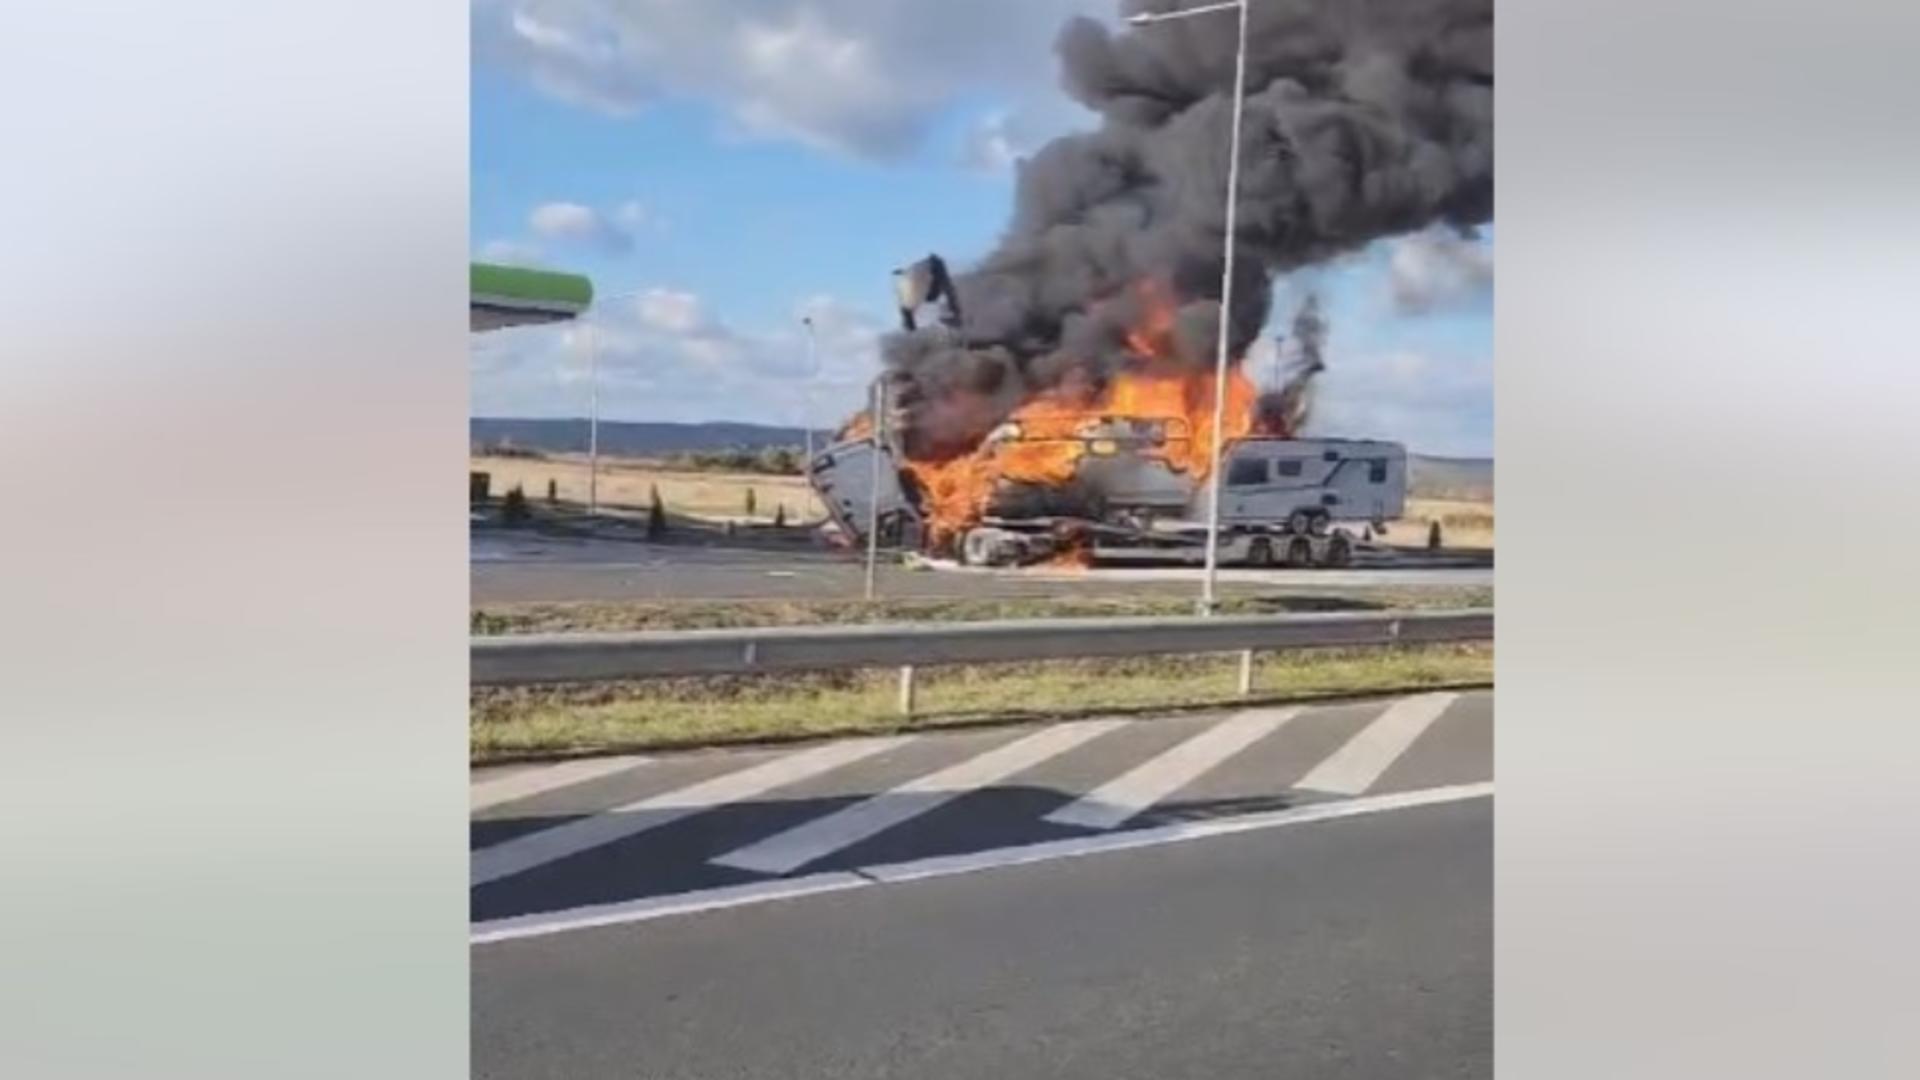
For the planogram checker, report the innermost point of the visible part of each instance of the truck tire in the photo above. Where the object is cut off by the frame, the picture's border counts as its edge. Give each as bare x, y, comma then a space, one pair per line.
1300, 522
1300, 552
1339, 551
1260, 552
975, 548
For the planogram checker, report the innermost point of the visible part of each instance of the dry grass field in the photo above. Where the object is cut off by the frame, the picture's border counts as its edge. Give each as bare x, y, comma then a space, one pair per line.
717, 496
1463, 524
625, 483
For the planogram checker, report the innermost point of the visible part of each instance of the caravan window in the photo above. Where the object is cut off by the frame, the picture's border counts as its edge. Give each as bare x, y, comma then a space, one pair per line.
1247, 472
1377, 471
1287, 467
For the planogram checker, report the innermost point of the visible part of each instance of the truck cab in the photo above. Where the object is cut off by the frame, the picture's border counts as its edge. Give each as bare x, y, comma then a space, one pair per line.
843, 475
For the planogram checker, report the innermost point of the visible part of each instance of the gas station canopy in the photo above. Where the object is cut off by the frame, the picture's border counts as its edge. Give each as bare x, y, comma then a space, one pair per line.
503, 296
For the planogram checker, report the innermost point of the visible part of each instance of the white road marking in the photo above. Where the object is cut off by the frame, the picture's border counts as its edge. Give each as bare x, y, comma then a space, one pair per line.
654, 907
788, 851
541, 924
535, 849
1355, 767
1126, 795
522, 783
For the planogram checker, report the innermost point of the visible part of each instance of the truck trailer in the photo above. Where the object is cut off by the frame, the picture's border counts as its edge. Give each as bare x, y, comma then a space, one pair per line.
1283, 502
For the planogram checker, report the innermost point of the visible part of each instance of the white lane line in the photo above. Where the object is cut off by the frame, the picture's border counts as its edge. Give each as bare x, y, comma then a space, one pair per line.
538, 848
522, 783
654, 907
786, 852
631, 911
1126, 795
944, 865
1355, 767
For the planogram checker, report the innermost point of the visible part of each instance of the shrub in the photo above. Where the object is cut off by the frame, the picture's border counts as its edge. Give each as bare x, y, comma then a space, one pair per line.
750, 506
656, 514
514, 507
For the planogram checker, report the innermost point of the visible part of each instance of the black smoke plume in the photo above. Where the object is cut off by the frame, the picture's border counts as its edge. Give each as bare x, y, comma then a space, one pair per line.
1284, 410
1363, 119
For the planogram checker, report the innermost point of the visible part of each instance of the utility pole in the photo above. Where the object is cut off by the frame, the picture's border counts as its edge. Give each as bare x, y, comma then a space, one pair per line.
806, 396
593, 420
1208, 598
873, 500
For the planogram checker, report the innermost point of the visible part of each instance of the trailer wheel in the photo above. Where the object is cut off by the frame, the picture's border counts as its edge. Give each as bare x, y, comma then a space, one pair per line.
970, 551
1339, 551
1300, 552
1260, 552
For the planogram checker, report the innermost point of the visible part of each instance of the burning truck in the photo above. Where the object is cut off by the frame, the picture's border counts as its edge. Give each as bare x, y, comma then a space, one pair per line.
1062, 401
1070, 476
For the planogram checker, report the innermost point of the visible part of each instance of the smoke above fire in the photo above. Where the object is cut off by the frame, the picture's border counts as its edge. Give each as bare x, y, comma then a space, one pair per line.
1362, 119
1286, 408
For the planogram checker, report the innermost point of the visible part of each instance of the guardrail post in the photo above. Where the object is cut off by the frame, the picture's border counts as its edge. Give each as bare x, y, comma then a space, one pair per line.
906, 689
519, 659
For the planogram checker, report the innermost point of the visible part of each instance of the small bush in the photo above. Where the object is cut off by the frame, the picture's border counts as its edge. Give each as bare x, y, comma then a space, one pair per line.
656, 514
514, 507
1433, 536
780, 517
750, 506
506, 449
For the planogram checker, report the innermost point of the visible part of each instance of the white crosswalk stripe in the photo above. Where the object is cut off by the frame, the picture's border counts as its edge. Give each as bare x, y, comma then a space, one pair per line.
524, 783
535, 849
788, 851
1358, 765
1120, 799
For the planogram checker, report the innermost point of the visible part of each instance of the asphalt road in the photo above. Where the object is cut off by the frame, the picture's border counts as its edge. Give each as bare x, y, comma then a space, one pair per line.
1272, 892
525, 567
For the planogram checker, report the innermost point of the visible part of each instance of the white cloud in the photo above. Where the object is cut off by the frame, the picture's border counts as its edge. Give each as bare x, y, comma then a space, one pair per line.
869, 78
663, 355
1434, 403
569, 222
989, 145
631, 217
669, 310
1438, 268
512, 253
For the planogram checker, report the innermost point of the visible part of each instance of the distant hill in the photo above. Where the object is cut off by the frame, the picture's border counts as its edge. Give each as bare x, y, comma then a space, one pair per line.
625, 438
1433, 477
1450, 478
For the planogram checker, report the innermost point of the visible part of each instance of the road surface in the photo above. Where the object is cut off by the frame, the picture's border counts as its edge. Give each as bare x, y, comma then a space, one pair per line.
1282, 892
510, 567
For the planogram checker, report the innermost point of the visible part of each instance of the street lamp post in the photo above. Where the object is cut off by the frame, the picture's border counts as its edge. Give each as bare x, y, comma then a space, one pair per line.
1208, 597
873, 482
806, 394
593, 421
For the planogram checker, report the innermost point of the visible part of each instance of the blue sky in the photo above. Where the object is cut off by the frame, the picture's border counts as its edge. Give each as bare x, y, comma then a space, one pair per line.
721, 171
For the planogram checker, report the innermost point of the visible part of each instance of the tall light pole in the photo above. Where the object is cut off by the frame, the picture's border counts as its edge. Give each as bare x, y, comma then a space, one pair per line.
1208, 599
592, 334
806, 395
593, 420
873, 482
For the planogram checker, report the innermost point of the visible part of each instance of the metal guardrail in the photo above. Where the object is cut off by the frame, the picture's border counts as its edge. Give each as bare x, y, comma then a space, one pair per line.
560, 658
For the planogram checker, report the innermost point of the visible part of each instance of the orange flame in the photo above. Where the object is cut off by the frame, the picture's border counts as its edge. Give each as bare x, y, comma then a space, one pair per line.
1053, 428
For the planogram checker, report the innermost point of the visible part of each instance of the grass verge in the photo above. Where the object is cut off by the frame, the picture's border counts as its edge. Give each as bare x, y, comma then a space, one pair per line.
531, 722
609, 616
